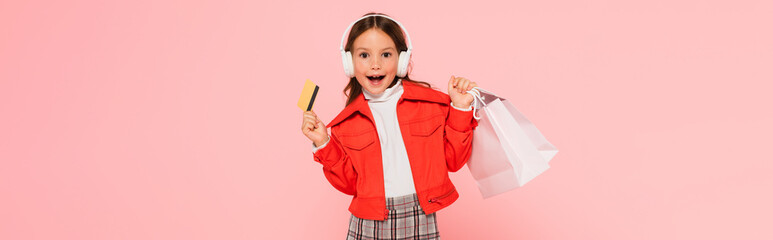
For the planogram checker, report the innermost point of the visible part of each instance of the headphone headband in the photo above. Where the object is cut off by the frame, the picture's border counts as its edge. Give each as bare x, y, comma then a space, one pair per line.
407, 36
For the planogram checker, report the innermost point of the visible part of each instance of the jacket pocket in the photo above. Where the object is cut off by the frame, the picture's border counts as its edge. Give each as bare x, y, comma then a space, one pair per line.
441, 198
357, 141
426, 127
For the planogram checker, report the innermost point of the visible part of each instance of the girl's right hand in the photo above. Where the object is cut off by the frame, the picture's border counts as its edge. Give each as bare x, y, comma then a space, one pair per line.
314, 129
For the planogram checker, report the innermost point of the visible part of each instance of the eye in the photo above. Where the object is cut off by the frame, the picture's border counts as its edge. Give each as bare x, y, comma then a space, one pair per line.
363, 55
386, 54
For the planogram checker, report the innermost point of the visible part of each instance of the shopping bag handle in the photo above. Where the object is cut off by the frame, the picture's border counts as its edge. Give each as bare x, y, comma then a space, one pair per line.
475, 92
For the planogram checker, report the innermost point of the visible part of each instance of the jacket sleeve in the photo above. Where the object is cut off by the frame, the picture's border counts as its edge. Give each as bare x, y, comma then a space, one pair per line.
336, 166
458, 137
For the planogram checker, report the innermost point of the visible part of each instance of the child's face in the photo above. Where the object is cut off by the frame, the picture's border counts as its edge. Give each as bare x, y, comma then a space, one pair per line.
375, 60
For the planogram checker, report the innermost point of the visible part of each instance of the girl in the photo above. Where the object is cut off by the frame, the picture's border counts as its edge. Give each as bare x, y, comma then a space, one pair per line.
394, 143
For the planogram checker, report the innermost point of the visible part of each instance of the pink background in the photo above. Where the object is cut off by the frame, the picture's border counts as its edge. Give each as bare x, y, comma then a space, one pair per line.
177, 119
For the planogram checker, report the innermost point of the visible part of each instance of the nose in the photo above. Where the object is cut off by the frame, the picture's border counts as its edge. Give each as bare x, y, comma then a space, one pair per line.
375, 64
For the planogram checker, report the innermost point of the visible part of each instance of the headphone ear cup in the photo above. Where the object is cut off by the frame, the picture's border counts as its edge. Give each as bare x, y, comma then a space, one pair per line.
402, 64
348, 64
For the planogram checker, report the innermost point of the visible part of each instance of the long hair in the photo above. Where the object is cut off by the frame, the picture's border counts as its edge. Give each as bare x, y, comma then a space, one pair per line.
354, 89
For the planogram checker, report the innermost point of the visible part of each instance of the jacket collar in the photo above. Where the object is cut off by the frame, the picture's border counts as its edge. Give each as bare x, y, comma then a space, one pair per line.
411, 91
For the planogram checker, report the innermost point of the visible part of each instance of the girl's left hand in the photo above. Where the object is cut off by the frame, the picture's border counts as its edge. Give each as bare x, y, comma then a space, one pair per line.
457, 90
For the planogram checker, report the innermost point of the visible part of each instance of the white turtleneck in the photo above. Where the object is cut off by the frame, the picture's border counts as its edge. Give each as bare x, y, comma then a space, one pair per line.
398, 180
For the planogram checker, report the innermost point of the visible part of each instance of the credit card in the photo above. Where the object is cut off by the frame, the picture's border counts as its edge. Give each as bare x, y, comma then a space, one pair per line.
309, 92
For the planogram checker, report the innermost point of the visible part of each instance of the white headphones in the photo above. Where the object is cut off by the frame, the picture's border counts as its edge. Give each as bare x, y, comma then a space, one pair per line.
402, 64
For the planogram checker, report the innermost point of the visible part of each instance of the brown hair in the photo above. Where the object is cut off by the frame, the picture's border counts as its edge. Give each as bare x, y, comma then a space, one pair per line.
354, 89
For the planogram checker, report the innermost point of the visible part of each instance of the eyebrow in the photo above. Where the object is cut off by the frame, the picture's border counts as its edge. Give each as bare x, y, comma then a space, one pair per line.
381, 49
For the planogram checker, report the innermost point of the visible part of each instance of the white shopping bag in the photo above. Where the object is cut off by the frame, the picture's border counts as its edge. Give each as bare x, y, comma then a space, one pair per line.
507, 149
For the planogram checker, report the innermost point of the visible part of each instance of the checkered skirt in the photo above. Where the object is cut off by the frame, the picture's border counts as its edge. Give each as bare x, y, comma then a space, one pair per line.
406, 221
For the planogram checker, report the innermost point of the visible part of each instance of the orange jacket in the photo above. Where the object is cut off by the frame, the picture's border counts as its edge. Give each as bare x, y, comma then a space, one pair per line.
438, 139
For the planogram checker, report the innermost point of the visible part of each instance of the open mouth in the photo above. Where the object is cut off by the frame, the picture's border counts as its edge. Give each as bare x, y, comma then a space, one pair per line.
375, 80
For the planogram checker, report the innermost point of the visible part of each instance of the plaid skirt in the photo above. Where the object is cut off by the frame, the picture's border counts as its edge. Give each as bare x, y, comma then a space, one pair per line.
406, 220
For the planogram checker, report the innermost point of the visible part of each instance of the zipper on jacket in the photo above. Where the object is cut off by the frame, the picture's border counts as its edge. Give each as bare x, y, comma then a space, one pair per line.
435, 199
